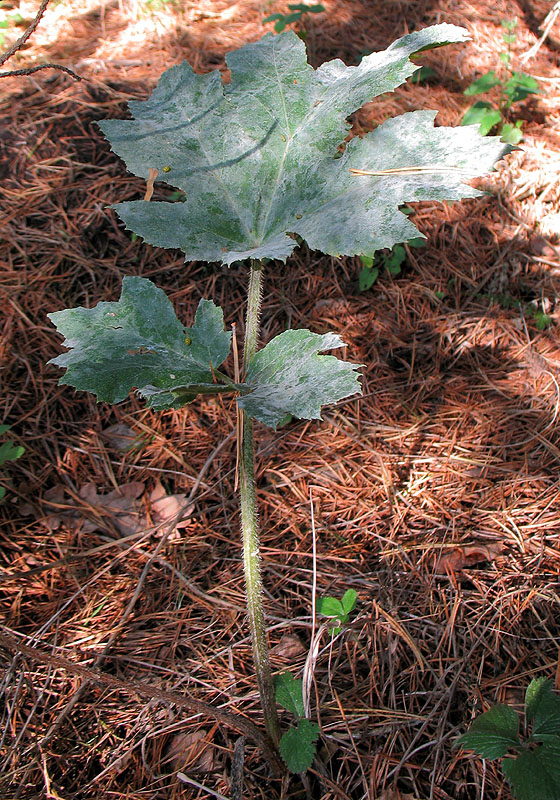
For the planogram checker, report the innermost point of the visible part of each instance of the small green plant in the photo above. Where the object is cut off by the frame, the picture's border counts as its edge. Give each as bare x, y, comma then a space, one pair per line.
260, 164
513, 87
389, 260
532, 760
9, 451
297, 745
298, 12
507, 301
338, 611
8, 21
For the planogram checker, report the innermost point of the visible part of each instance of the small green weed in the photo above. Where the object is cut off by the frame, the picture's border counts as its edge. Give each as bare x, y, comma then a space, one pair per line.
507, 301
8, 21
297, 745
298, 11
513, 86
9, 451
390, 260
532, 761
338, 611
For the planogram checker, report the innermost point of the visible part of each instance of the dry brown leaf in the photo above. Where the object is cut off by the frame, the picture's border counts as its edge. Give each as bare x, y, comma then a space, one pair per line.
191, 751
463, 557
289, 647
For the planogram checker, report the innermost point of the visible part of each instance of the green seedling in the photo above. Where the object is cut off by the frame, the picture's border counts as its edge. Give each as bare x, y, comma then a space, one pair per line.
513, 87
531, 761
507, 301
338, 611
298, 12
9, 451
389, 260
297, 745
260, 164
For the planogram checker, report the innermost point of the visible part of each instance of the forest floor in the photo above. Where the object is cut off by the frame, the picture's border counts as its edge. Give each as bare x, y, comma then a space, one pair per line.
436, 495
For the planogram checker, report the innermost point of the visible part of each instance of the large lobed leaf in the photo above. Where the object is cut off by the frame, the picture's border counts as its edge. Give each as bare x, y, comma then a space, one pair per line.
259, 158
138, 343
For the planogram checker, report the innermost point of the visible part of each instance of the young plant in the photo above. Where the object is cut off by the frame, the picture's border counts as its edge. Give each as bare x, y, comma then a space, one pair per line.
513, 86
338, 611
532, 761
389, 260
298, 11
297, 745
9, 451
260, 164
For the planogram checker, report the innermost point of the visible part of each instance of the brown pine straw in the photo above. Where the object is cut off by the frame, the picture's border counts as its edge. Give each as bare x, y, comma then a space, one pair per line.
436, 496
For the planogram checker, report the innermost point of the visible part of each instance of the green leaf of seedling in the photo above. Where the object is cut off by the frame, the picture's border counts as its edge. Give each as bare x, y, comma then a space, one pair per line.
493, 733
419, 241
512, 133
329, 607
520, 86
395, 259
289, 693
367, 261
542, 708
349, 599
509, 38
535, 774
423, 74
317, 8
138, 342
483, 115
289, 377
257, 158
4, 428
10, 452
509, 24
297, 746
505, 58
483, 84
367, 278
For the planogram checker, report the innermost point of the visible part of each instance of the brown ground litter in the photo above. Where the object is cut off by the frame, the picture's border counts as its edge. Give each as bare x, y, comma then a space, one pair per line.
436, 496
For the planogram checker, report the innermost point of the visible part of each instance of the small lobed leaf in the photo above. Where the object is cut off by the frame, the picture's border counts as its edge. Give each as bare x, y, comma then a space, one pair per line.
493, 733
289, 693
138, 342
297, 746
289, 377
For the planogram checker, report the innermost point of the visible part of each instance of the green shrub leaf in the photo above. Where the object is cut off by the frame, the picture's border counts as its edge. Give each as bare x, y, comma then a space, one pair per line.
258, 161
138, 342
289, 693
289, 377
297, 746
520, 86
493, 733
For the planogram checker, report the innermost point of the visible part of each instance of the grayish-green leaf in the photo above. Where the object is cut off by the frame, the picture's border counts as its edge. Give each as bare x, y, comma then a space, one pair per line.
297, 746
258, 158
289, 377
289, 693
493, 733
138, 342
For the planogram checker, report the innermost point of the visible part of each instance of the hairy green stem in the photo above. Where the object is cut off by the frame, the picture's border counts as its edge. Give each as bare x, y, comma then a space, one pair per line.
250, 525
